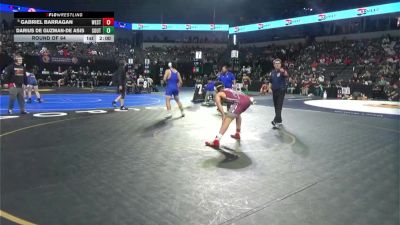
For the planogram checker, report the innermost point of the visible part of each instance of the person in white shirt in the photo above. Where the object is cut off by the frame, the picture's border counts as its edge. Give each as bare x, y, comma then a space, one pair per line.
140, 83
150, 84
321, 78
248, 70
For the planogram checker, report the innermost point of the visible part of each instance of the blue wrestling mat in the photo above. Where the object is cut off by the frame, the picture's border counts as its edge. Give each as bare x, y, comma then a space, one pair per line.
67, 102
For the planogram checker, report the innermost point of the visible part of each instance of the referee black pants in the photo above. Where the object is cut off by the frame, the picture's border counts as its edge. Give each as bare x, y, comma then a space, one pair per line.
278, 96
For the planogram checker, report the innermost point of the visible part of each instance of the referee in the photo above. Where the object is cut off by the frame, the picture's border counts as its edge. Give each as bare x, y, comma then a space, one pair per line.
277, 83
121, 80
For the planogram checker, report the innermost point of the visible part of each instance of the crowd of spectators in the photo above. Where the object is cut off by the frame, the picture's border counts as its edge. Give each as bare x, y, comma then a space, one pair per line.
182, 54
319, 65
86, 77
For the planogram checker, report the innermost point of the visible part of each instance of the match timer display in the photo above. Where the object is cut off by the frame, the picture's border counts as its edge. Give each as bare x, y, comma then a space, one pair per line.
87, 27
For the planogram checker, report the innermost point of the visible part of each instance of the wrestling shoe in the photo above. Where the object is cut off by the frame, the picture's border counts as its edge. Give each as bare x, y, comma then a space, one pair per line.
169, 115
114, 104
213, 144
123, 108
236, 136
182, 113
24, 112
9, 112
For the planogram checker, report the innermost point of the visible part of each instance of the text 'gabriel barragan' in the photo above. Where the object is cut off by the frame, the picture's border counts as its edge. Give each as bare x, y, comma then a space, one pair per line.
46, 22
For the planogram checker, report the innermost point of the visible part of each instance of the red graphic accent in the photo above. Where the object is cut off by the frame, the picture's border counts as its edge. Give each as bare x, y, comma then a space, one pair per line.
321, 17
288, 22
108, 21
260, 26
361, 11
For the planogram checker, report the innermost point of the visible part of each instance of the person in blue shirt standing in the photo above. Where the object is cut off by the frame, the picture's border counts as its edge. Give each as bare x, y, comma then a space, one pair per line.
277, 83
173, 80
228, 79
210, 90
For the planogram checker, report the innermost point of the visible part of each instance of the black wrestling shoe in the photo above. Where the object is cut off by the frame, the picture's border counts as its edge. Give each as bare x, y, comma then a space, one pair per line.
273, 123
24, 112
114, 104
123, 108
9, 112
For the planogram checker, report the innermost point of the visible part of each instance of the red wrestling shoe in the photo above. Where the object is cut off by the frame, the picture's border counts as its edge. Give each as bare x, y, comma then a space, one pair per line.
213, 144
236, 136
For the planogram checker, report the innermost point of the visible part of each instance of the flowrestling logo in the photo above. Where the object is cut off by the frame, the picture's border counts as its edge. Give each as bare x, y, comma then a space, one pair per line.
291, 21
164, 26
188, 26
366, 11
323, 16
361, 11
261, 26
212, 26
237, 29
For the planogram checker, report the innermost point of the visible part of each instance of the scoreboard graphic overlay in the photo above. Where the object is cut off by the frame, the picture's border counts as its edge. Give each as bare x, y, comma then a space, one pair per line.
87, 27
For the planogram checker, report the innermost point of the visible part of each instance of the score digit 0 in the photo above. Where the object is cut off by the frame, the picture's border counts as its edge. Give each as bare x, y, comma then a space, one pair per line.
108, 30
108, 21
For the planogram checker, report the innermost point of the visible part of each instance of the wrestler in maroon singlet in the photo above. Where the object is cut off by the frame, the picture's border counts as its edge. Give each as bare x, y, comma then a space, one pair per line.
240, 103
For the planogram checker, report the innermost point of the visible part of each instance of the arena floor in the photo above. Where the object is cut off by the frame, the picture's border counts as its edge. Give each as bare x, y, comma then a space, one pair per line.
325, 166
